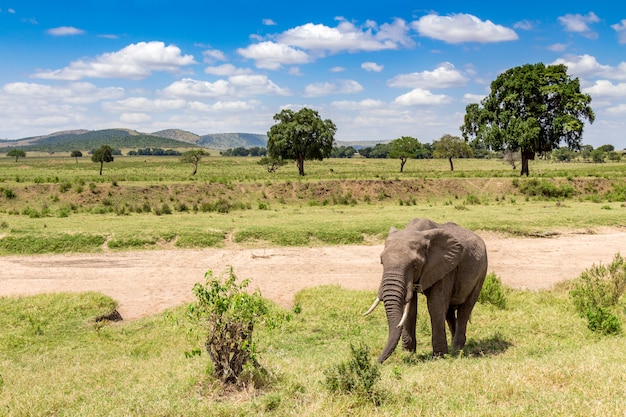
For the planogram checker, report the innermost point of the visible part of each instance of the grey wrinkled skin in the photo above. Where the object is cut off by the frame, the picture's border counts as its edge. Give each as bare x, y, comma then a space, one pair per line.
445, 262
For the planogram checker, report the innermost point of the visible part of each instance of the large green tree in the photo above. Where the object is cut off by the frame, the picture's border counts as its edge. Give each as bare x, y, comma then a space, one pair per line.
300, 136
404, 148
451, 147
103, 154
532, 109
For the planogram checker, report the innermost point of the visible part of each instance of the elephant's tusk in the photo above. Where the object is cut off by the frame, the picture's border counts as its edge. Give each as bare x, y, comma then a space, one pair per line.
376, 301
404, 315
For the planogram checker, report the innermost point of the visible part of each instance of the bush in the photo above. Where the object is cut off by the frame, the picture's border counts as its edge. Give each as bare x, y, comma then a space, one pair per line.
493, 292
597, 291
357, 376
228, 315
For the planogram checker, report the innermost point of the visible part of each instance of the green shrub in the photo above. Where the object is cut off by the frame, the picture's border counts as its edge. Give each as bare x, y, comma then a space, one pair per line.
597, 291
228, 314
493, 292
358, 375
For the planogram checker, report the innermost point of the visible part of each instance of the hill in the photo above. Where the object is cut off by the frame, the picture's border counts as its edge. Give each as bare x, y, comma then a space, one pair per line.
66, 141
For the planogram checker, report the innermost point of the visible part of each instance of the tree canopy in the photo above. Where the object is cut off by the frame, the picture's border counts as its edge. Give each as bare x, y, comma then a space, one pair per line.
301, 136
103, 154
531, 108
76, 154
451, 147
16, 153
193, 157
404, 148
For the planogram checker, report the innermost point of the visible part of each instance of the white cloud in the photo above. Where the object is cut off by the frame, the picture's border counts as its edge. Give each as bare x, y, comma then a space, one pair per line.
606, 89
347, 37
473, 98
268, 22
620, 28
337, 69
444, 76
212, 55
226, 70
143, 104
366, 104
65, 31
557, 47
235, 86
460, 28
588, 66
136, 61
76, 93
134, 118
523, 25
580, 24
419, 97
372, 67
339, 87
271, 55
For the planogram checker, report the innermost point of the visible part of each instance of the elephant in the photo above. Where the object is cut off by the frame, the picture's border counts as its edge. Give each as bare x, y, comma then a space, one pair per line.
445, 262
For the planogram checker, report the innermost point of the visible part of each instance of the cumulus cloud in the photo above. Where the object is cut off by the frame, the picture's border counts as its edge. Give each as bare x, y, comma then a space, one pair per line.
76, 93
620, 28
578, 23
339, 87
460, 28
227, 70
65, 31
418, 97
372, 67
347, 37
272, 55
268, 22
136, 61
444, 76
234, 86
606, 89
212, 55
589, 67
366, 104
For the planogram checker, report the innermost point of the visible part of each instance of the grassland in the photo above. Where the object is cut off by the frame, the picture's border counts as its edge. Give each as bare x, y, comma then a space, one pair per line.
534, 358
153, 202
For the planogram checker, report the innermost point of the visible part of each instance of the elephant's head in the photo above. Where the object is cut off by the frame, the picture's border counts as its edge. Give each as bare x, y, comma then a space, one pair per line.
410, 258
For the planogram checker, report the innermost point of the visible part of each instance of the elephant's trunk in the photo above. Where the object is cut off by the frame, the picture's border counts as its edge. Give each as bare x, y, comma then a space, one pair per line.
393, 295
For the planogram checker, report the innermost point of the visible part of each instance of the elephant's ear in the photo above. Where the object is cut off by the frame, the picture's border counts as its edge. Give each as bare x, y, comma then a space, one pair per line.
444, 253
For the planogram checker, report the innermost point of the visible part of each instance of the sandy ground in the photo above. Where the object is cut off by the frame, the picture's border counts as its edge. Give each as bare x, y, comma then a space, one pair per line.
147, 282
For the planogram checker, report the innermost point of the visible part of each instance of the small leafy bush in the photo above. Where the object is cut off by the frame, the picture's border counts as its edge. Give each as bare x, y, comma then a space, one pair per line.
493, 292
358, 375
597, 291
228, 315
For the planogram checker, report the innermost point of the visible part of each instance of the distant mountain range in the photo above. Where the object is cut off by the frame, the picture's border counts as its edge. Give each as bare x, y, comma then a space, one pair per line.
86, 140
69, 140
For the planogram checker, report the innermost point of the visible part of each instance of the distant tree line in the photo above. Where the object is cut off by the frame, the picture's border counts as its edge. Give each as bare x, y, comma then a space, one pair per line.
154, 152
241, 151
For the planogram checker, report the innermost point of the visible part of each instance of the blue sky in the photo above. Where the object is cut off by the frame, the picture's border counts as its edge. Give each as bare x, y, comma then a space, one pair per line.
379, 70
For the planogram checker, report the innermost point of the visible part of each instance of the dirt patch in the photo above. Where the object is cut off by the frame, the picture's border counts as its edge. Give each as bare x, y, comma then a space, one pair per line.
147, 282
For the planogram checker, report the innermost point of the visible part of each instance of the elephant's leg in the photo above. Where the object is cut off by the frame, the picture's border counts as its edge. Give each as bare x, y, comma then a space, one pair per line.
437, 308
408, 331
451, 319
463, 316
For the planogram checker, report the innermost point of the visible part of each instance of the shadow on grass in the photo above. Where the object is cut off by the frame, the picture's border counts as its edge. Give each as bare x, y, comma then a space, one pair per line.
489, 346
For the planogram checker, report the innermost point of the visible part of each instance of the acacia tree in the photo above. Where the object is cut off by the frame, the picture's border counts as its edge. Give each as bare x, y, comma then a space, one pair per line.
16, 153
103, 154
300, 136
193, 157
451, 147
404, 148
76, 154
532, 109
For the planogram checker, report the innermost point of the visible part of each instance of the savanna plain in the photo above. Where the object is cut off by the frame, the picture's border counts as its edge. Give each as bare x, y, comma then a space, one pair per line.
535, 355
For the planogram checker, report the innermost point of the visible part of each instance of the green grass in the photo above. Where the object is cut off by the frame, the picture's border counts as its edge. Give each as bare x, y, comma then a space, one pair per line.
536, 357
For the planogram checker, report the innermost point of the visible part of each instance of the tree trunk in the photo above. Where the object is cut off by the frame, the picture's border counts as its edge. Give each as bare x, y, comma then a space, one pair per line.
451, 165
526, 156
402, 162
195, 169
101, 164
301, 166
